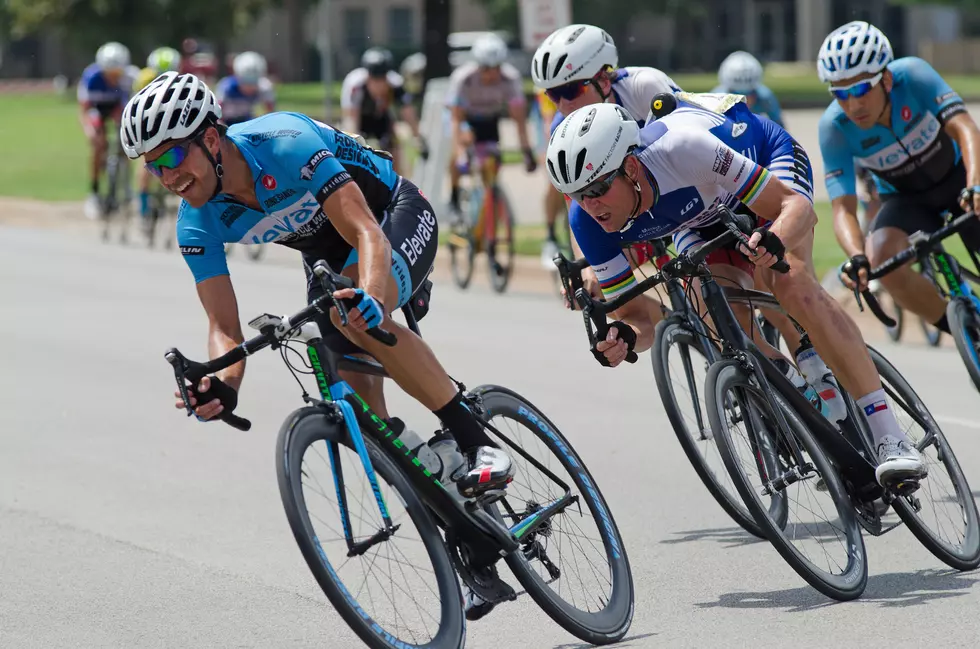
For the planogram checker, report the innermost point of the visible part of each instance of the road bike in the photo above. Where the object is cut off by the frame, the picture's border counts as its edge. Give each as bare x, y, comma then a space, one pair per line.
116, 173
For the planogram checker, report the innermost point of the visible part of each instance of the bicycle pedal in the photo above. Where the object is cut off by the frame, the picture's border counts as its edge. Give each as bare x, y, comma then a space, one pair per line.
484, 499
904, 487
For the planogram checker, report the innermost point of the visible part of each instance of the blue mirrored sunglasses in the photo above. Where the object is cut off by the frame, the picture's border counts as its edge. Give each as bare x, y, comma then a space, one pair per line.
859, 89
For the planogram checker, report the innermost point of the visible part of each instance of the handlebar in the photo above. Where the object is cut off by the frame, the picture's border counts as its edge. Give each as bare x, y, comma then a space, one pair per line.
919, 243
686, 265
189, 373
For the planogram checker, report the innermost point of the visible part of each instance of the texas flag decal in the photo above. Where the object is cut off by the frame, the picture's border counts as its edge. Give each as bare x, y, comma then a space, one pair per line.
877, 406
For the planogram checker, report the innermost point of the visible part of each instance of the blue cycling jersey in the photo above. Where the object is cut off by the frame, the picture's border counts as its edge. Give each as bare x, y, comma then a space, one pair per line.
238, 105
696, 159
764, 102
94, 88
296, 163
913, 154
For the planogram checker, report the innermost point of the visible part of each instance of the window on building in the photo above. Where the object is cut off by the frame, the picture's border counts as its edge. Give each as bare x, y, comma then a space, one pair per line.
356, 30
401, 27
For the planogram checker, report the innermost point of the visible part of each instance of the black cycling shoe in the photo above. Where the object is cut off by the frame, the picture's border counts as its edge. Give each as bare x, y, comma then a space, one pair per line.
475, 606
487, 468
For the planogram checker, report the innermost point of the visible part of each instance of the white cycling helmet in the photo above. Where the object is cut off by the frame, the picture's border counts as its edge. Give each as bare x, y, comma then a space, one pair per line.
572, 53
489, 51
740, 72
591, 142
112, 56
249, 67
172, 107
851, 50
163, 59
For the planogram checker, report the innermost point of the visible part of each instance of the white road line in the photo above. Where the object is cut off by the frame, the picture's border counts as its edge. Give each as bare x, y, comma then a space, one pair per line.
959, 421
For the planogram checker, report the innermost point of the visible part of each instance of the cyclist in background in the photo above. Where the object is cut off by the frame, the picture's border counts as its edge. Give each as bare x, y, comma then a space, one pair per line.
903, 122
368, 98
554, 200
198, 60
103, 90
248, 86
578, 65
741, 74
160, 60
480, 93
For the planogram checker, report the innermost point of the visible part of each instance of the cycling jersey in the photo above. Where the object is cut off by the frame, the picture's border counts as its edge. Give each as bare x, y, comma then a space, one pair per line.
146, 75
297, 163
376, 118
911, 156
697, 158
634, 89
95, 91
484, 104
765, 103
236, 105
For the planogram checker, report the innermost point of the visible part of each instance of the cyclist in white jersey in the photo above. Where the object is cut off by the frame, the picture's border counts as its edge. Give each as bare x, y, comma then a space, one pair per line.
577, 66
480, 93
667, 178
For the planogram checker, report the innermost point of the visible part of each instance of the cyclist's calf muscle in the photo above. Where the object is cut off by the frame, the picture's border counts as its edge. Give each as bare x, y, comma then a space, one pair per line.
910, 290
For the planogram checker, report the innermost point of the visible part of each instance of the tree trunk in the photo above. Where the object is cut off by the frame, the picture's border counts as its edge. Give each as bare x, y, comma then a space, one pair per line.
293, 70
438, 18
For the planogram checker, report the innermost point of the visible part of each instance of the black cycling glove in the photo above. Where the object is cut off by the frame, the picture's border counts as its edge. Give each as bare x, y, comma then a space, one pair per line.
625, 333
771, 243
219, 390
855, 264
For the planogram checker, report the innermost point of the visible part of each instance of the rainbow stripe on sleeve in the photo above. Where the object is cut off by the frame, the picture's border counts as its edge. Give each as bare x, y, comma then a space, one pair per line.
613, 286
753, 185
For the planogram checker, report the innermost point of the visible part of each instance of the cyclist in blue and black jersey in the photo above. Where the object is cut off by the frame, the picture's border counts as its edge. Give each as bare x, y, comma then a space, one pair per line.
903, 122
247, 88
285, 178
741, 74
668, 178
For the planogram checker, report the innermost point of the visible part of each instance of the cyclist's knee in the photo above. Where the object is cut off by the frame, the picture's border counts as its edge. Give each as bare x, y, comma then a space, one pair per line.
884, 243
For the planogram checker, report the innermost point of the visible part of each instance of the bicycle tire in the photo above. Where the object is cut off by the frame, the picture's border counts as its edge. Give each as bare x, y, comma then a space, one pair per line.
963, 320
462, 246
728, 375
669, 332
933, 335
969, 557
501, 272
613, 622
896, 312
307, 425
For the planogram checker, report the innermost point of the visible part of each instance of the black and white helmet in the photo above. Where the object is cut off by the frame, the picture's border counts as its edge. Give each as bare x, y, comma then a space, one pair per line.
572, 53
851, 50
591, 142
172, 107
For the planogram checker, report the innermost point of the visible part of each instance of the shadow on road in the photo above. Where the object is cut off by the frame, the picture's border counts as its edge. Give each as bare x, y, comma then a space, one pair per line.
625, 642
730, 536
897, 589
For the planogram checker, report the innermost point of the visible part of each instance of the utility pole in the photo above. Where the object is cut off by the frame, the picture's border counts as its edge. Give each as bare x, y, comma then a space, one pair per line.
437, 21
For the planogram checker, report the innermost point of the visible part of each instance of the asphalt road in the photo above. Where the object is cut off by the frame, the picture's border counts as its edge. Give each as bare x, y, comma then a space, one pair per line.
125, 524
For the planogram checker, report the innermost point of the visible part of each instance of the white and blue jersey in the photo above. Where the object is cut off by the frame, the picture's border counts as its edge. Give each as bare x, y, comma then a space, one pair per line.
95, 89
296, 163
633, 89
697, 158
765, 103
913, 154
239, 106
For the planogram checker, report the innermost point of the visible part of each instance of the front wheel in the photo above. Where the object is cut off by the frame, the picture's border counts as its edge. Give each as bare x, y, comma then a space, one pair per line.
965, 327
462, 245
320, 476
500, 246
594, 601
829, 552
679, 367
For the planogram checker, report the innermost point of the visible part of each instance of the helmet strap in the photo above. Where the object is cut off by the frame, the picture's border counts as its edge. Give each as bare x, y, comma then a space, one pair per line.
219, 170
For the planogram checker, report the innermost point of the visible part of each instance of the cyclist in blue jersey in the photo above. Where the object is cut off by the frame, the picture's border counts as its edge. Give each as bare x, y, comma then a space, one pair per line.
247, 88
902, 121
102, 91
578, 65
285, 178
741, 74
667, 179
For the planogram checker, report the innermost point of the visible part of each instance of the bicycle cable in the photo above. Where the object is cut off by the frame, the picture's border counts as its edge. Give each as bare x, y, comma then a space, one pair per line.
283, 348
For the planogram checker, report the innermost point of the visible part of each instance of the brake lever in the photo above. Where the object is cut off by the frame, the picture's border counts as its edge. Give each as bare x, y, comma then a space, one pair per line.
329, 284
177, 360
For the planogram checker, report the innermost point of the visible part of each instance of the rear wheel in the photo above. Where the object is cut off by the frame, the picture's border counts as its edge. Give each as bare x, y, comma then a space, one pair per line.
462, 245
932, 334
574, 566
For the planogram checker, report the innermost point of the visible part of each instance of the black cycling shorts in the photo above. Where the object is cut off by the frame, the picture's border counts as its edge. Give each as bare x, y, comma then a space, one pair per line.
410, 224
913, 212
381, 128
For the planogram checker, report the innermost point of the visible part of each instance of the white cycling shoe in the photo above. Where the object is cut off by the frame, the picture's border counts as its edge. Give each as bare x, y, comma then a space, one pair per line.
897, 460
548, 251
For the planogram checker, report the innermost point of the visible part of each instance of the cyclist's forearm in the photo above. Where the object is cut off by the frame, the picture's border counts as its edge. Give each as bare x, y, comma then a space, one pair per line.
641, 314
847, 228
795, 221
410, 118
220, 342
519, 115
374, 252
964, 131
